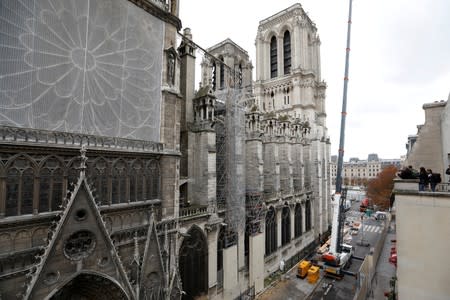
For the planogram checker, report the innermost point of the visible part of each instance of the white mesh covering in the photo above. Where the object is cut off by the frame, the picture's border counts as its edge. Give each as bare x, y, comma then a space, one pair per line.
89, 66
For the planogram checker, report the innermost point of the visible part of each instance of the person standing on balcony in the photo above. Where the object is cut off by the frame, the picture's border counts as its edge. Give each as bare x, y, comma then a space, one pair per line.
423, 179
432, 178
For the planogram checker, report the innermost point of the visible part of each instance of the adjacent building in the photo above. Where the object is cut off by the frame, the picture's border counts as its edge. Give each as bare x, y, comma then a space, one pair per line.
421, 222
358, 172
430, 146
422, 217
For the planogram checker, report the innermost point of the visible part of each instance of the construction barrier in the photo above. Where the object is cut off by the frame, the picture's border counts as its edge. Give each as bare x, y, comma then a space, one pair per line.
313, 274
303, 268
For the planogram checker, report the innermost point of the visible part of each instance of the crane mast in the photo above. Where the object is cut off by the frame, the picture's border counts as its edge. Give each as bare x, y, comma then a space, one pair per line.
337, 201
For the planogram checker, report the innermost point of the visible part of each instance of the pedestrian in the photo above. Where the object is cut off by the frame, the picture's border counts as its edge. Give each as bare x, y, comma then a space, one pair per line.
432, 178
408, 173
448, 172
423, 179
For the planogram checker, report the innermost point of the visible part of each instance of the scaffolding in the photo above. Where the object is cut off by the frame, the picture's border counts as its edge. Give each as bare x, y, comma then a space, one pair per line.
242, 209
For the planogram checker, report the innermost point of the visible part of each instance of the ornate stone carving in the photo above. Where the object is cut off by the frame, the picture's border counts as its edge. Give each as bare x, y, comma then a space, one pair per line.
79, 245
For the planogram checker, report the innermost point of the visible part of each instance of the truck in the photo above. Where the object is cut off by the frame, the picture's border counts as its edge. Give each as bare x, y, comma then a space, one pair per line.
339, 254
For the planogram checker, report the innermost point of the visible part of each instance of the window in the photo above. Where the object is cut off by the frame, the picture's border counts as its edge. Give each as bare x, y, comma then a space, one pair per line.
298, 220
136, 182
273, 58
153, 180
12, 192
308, 222
271, 231
285, 226
19, 188
119, 179
222, 73
220, 247
287, 52
98, 172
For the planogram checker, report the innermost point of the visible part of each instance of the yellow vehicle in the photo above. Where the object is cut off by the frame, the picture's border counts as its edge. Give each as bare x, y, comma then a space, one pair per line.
303, 268
313, 274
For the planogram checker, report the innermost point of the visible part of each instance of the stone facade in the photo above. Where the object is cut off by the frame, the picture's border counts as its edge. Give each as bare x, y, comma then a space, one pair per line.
428, 149
421, 221
204, 198
280, 152
92, 225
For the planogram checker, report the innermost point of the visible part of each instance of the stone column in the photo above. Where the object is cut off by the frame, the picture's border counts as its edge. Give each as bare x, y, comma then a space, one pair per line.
230, 273
280, 56
256, 262
292, 216
295, 45
212, 258
278, 219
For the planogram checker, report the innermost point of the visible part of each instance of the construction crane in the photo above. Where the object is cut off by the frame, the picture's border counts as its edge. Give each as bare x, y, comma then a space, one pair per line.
339, 254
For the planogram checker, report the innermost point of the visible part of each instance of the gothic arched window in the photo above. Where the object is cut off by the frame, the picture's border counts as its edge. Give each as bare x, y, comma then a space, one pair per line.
285, 226
220, 247
98, 174
298, 220
308, 224
153, 180
119, 179
137, 182
287, 52
273, 57
222, 73
51, 178
271, 231
19, 188
12, 192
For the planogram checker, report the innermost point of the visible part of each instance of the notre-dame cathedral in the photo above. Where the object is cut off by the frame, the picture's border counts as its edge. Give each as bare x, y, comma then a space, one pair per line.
123, 178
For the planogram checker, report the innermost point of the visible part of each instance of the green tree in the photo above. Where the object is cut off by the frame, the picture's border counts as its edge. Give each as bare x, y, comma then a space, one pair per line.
380, 188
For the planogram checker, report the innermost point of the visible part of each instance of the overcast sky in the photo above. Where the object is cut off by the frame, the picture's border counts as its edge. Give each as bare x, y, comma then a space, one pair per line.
399, 60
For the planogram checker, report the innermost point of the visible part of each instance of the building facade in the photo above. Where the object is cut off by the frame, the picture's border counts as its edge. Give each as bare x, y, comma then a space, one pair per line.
120, 180
422, 216
102, 76
421, 221
358, 172
430, 148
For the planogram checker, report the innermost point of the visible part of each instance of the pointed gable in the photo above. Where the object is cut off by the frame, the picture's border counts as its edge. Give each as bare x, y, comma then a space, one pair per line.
80, 248
152, 272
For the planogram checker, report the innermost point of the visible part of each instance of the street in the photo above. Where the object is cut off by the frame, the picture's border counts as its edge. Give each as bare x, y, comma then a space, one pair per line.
291, 287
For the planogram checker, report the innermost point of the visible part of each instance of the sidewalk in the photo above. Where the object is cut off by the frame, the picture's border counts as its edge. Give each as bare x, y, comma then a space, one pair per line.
384, 269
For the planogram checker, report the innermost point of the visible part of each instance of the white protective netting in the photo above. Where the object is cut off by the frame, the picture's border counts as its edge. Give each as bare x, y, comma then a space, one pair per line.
81, 66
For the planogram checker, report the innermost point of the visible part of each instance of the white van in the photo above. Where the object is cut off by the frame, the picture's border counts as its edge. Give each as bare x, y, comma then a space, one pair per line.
380, 215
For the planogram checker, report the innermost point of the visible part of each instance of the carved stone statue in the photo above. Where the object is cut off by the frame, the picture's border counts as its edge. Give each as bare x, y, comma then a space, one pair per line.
171, 68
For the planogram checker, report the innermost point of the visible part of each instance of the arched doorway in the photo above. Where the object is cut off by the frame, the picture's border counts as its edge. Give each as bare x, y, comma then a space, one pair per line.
87, 286
194, 265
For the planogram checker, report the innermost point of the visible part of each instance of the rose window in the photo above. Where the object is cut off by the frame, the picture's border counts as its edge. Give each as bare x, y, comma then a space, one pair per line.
79, 245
